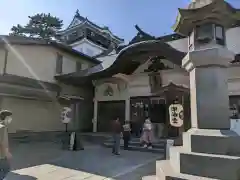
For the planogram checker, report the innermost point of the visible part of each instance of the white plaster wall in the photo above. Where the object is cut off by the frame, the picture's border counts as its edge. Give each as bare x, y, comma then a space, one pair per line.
41, 116
107, 60
235, 125
234, 80
2, 59
139, 85
32, 61
119, 93
38, 62
178, 77
234, 87
233, 39
84, 46
234, 71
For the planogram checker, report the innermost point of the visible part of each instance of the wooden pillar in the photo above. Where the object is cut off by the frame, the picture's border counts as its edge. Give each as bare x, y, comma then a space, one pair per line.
77, 116
167, 125
127, 109
95, 114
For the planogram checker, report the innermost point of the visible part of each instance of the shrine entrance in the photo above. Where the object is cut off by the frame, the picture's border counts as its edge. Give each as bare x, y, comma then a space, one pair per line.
172, 93
156, 108
153, 107
107, 112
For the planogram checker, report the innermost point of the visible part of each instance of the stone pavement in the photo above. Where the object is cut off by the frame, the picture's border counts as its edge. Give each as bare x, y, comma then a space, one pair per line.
46, 161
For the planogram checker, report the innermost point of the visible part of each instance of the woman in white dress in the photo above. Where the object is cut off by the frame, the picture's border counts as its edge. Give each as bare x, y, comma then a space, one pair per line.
147, 136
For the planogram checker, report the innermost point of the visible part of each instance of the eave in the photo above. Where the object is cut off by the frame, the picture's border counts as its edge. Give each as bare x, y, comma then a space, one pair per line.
88, 41
93, 25
214, 10
127, 61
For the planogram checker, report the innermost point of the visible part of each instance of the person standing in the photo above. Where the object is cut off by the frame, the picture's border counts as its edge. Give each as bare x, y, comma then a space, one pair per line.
126, 134
5, 155
117, 133
147, 137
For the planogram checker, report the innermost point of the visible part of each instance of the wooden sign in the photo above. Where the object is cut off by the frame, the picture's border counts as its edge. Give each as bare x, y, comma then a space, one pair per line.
66, 115
176, 115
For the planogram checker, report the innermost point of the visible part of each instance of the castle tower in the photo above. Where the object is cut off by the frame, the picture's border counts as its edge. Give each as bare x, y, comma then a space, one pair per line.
87, 37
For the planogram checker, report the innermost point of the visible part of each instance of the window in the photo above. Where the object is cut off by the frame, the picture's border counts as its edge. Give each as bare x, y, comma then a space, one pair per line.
191, 41
78, 66
84, 66
92, 34
75, 33
204, 33
219, 31
59, 62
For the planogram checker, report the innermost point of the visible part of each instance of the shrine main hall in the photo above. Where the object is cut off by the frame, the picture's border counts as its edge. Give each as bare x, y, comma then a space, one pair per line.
142, 78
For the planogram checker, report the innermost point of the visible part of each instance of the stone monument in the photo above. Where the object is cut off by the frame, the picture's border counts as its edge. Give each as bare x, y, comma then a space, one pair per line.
210, 149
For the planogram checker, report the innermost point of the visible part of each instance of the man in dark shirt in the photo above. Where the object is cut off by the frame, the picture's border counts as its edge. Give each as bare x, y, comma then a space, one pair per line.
117, 131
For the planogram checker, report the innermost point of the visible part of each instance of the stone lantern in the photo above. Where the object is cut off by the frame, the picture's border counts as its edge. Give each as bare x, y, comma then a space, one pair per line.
205, 22
210, 149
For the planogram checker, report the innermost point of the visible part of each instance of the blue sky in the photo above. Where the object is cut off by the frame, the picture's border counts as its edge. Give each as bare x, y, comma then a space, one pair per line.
153, 16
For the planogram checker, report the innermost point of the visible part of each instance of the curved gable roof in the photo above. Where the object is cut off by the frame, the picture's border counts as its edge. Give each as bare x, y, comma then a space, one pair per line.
127, 61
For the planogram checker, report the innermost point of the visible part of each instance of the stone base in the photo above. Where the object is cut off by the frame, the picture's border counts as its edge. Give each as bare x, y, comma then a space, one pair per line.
213, 166
205, 154
222, 142
166, 172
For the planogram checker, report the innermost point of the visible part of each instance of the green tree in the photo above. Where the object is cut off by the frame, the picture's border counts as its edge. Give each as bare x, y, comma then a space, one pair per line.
40, 26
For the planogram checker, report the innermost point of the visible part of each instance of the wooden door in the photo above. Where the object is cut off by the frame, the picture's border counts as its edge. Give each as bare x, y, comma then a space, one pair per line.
108, 111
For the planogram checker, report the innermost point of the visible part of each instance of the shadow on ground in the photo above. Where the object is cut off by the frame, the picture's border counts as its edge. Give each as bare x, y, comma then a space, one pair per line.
99, 161
15, 176
93, 161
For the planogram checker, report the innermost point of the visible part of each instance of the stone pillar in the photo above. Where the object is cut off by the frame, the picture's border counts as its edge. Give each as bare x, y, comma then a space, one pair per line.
95, 113
208, 87
127, 109
210, 149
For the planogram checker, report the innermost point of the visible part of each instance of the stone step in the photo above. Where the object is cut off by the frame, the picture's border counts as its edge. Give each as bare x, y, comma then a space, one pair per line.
222, 142
138, 148
159, 145
205, 165
153, 177
137, 140
166, 172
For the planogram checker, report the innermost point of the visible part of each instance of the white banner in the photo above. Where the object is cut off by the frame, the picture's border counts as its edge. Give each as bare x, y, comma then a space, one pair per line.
176, 115
66, 115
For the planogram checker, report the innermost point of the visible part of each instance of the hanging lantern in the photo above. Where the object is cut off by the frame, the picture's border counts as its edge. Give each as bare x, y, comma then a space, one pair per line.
66, 115
176, 115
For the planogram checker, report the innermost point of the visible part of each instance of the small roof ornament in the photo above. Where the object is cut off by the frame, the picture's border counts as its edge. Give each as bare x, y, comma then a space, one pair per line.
77, 13
205, 11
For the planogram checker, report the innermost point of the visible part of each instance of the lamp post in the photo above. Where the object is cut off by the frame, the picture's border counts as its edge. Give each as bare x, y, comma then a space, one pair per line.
72, 141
